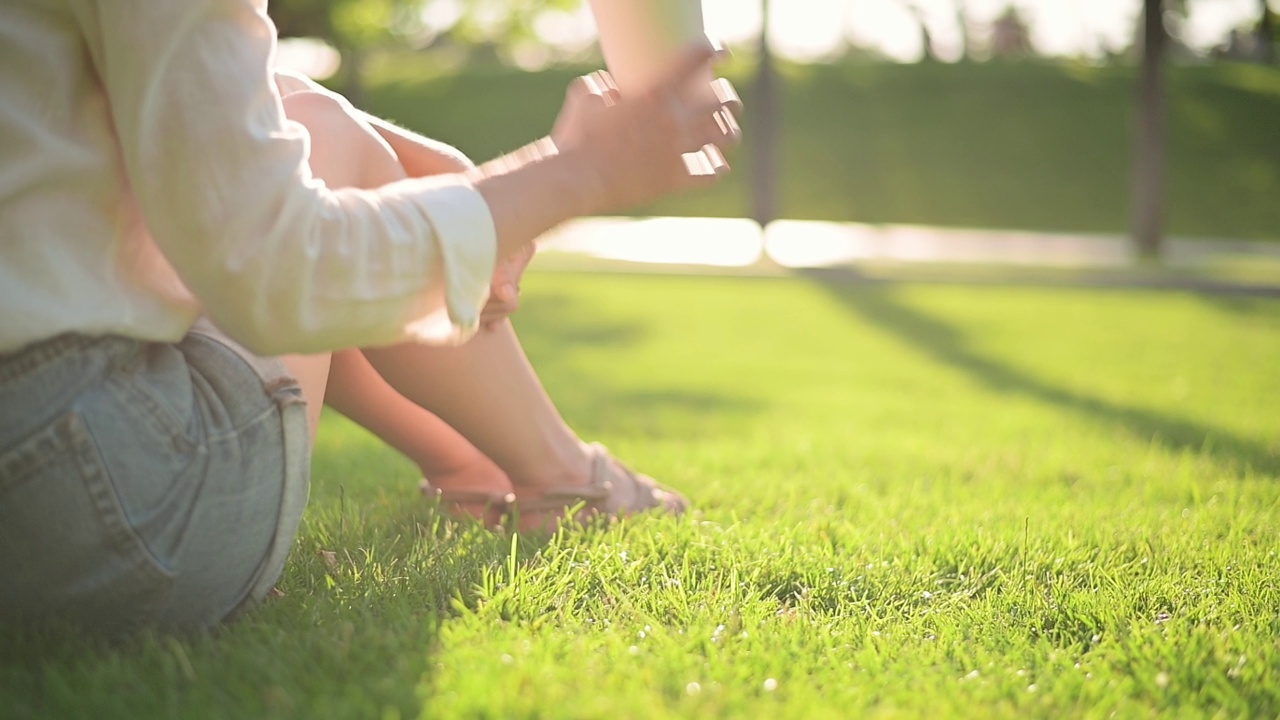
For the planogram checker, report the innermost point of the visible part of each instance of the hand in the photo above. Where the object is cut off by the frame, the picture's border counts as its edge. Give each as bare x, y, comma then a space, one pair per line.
504, 291
630, 149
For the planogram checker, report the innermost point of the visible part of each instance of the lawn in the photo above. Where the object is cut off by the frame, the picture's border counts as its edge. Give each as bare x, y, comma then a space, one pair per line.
1033, 145
919, 500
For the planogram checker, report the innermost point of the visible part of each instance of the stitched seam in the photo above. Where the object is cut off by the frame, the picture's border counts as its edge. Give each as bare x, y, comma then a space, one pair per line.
27, 457
296, 442
21, 363
156, 415
103, 494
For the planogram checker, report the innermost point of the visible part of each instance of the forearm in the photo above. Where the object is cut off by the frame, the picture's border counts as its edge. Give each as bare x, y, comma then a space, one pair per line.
531, 191
528, 191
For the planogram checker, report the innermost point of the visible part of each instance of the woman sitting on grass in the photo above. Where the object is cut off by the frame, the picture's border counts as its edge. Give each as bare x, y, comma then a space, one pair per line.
511, 456
187, 275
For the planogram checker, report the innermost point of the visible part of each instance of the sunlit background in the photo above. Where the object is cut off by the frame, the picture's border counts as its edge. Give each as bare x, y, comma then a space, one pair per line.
817, 30
808, 29
987, 131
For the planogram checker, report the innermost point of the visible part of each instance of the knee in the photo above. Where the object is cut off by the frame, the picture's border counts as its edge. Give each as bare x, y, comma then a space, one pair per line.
345, 150
320, 113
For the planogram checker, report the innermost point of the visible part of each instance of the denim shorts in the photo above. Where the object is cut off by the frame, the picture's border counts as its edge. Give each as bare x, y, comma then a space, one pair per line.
146, 484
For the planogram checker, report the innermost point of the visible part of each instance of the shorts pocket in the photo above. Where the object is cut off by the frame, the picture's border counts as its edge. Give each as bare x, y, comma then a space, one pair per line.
67, 549
145, 390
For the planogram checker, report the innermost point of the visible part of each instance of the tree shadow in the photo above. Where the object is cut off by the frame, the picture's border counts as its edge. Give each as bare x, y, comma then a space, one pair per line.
344, 640
550, 321
662, 412
60, 671
876, 303
1255, 308
551, 325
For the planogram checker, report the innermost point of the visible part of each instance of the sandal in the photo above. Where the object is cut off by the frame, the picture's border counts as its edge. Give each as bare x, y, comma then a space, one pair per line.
497, 506
613, 490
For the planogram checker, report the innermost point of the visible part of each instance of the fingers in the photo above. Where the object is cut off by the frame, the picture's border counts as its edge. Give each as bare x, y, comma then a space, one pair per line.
721, 97
601, 83
597, 84
504, 291
508, 294
504, 300
703, 117
716, 159
578, 88
705, 166
707, 124
638, 147
723, 129
705, 127
726, 95
713, 108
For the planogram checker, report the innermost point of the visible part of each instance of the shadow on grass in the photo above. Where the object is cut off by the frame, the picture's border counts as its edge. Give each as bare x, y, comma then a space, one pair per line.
876, 303
356, 635
554, 328
277, 662
369, 583
552, 323
1259, 309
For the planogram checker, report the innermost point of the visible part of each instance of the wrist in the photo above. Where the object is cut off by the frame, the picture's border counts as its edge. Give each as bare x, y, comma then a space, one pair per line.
579, 182
534, 189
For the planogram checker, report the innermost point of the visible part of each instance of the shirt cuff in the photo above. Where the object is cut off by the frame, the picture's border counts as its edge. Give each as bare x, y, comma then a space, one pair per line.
468, 246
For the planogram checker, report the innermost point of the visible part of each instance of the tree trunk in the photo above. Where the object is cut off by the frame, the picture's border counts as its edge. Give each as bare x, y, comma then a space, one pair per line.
763, 131
1266, 35
962, 22
351, 77
1150, 159
926, 38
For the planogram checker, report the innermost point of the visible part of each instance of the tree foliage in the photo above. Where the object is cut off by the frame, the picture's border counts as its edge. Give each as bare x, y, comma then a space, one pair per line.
342, 23
359, 24
353, 27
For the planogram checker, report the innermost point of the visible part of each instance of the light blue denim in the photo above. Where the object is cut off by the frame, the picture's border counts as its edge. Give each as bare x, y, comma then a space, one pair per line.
146, 484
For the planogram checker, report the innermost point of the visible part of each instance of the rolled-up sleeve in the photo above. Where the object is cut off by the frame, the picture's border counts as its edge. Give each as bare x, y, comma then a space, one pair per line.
278, 260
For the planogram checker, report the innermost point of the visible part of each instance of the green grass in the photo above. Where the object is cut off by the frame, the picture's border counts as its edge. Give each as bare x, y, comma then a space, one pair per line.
912, 500
1035, 145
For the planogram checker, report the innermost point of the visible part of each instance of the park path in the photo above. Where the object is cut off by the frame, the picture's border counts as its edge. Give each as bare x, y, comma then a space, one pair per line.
739, 246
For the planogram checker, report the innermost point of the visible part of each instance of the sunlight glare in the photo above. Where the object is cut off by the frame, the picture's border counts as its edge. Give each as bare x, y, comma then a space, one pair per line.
813, 29
718, 242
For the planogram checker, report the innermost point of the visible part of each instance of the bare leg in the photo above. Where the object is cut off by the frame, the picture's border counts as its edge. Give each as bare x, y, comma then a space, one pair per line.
312, 372
446, 458
487, 390
339, 165
347, 153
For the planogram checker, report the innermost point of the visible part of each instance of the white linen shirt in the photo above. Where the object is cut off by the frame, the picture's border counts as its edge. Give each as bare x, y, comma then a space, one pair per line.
148, 175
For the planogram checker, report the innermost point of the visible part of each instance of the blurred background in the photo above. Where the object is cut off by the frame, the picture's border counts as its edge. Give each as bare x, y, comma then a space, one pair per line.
1133, 119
